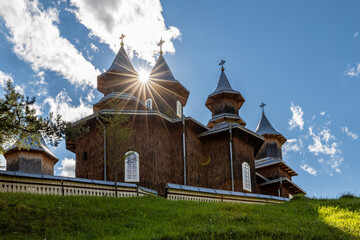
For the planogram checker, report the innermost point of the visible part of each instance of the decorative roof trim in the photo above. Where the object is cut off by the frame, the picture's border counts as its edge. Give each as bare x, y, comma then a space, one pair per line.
118, 95
227, 115
234, 126
268, 161
261, 176
282, 179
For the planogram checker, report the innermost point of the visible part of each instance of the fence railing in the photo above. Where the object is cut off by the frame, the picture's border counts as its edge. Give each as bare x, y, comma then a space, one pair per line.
66, 186
191, 193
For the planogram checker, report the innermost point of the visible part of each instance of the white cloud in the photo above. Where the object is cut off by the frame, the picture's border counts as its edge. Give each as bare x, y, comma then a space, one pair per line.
353, 71
62, 105
322, 113
336, 162
292, 145
93, 47
4, 77
37, 40
67, 167
308, 169
20, 89
324, 143
321, 143
141, 21
356, 34
41, 76
37, 108
297, 117
90, 96
349, 133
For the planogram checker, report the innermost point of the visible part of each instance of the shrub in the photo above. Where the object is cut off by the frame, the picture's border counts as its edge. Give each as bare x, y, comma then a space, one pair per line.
348, 195
298, 197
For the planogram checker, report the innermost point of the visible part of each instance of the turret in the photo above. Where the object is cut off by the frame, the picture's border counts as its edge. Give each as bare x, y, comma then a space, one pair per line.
167, 93
273, 139
224, 103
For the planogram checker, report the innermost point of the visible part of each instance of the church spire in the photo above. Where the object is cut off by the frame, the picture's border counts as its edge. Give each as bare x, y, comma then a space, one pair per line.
225, 102
223, 83
265, 128
121, 63
164, 81
121, 72
273, 139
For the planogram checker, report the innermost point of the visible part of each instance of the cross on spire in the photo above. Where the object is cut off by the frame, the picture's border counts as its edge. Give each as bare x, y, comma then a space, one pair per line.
160, 45
262, 105
222, 62
122, 39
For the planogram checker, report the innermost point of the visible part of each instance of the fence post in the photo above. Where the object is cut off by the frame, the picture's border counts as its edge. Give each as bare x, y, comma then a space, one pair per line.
62, 187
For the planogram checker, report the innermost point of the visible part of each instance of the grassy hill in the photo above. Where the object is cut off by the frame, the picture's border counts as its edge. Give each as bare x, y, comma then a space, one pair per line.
26, 216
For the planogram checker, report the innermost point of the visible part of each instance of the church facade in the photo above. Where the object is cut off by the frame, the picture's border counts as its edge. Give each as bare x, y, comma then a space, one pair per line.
168, 147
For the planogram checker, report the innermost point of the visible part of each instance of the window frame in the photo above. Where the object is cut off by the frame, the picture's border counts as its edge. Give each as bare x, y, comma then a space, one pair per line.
246, 176
151, 103
179, 109
137, 167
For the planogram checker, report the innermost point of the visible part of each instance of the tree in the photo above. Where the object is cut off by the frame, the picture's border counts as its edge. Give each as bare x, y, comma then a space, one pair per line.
117, 130
20, 124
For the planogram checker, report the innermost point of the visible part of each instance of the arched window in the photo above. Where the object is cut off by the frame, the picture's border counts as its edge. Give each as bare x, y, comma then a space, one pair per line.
246, 176
148, 103
178, 108
132, 167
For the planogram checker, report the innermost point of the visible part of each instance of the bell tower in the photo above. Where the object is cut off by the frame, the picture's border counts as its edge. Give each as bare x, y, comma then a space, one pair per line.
224, 103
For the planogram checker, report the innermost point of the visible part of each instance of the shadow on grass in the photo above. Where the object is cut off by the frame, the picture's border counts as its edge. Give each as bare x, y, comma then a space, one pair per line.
26, 216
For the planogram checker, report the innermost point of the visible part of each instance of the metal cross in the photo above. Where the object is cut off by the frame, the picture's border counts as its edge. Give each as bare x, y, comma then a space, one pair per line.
222, 62
262, 105
122, 39
160, 45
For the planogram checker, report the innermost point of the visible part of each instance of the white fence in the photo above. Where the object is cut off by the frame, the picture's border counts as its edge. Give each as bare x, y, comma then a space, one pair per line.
66, 186
190, 193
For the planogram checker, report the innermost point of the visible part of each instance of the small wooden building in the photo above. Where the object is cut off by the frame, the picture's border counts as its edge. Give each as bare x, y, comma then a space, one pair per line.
33, 158
168, 147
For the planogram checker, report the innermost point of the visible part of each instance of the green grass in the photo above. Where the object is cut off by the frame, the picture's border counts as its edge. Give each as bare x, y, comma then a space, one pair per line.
27, 216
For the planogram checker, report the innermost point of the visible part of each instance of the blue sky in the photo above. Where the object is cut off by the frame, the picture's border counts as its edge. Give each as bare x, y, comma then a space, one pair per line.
299, 57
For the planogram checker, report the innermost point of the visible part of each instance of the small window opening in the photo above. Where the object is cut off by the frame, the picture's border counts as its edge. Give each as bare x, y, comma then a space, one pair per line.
148, 104
178, 108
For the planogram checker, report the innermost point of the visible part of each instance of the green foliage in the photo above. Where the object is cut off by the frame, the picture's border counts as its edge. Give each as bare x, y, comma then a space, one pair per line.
348, 195
20, 124
299, 197
27, 216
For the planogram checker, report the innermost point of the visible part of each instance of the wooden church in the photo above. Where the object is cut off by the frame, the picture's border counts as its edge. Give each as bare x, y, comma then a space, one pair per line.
168, 147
